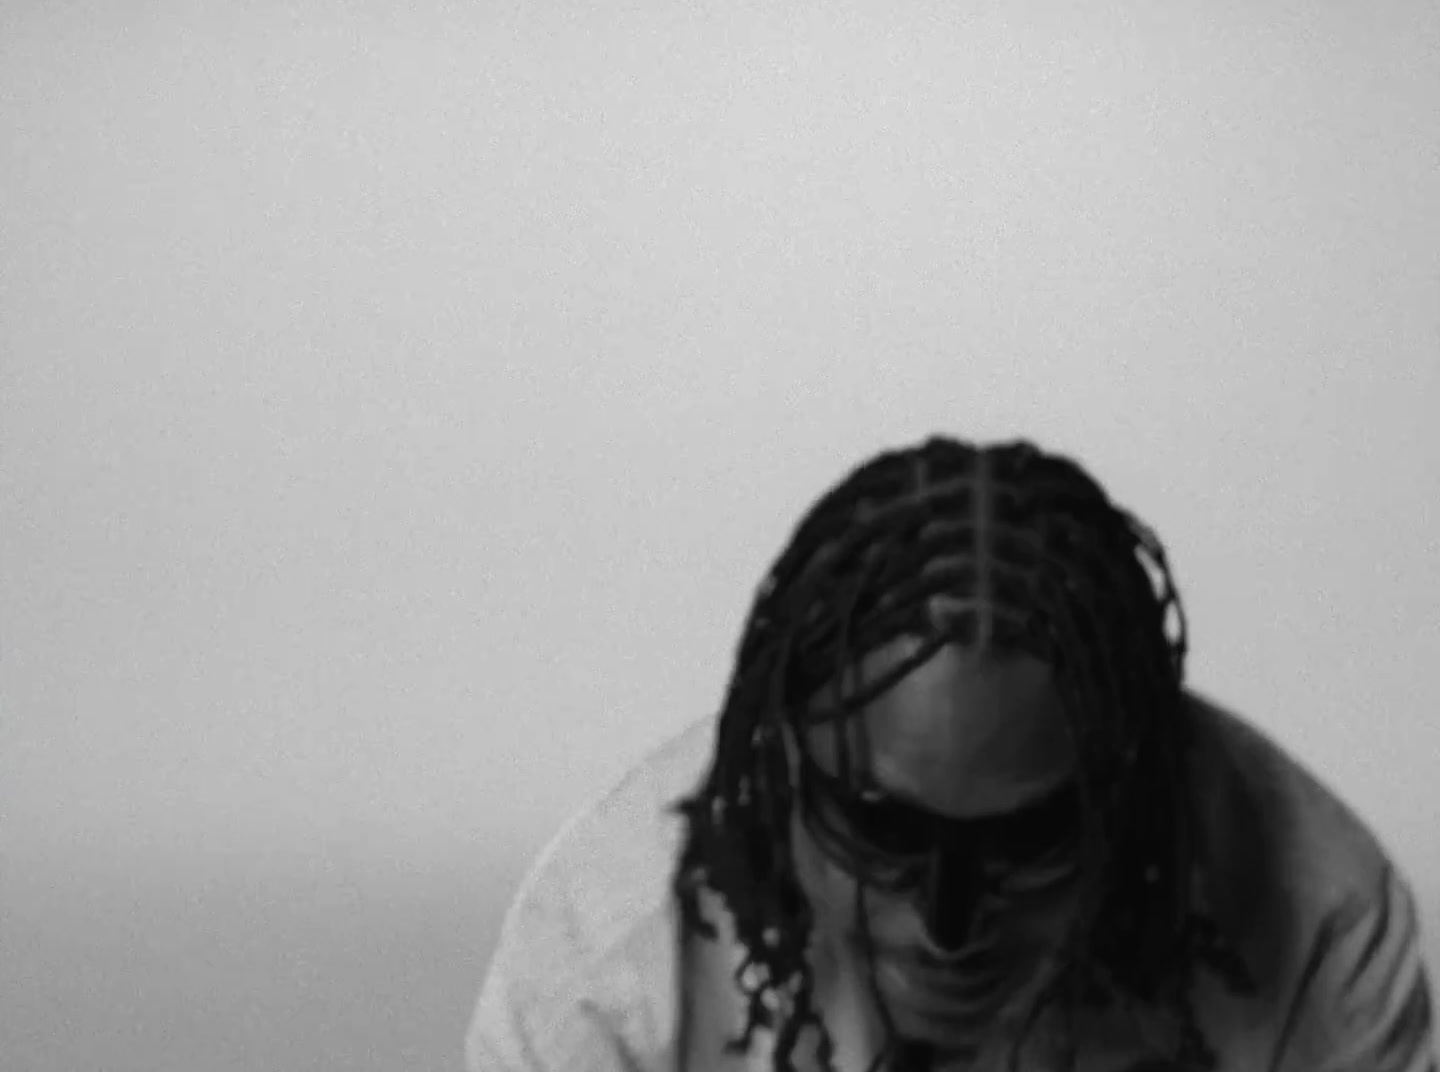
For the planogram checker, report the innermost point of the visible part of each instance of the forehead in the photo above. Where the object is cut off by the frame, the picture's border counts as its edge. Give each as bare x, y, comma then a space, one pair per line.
965, 734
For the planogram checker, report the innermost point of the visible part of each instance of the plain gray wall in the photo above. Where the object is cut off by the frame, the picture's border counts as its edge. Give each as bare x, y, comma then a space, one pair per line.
400, 402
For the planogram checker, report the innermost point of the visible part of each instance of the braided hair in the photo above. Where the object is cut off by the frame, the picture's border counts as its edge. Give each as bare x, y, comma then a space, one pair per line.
1029, 555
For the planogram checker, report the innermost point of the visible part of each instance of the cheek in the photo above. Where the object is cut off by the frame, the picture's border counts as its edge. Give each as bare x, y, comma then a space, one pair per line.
1044, 922
832, 892
829, 890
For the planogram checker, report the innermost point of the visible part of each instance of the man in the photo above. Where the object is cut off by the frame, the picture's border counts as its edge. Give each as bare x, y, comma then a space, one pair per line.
959, 812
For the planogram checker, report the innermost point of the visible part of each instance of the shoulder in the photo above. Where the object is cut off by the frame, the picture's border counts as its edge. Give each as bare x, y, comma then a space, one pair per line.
601, 884
1314, 892
587, 952
1320, 910
1259, 802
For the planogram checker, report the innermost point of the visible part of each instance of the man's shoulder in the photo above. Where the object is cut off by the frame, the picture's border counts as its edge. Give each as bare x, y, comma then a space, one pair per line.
631, 826
593, 927
1312, 899
1316, 816
1273, 828
600, 886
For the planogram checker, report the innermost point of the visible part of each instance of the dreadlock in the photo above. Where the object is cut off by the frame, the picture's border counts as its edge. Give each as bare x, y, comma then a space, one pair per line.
1037, 559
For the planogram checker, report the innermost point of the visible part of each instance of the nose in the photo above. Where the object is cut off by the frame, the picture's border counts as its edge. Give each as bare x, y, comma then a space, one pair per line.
949, 897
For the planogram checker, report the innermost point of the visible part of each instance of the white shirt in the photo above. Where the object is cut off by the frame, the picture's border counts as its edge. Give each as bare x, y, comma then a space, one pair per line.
590, 973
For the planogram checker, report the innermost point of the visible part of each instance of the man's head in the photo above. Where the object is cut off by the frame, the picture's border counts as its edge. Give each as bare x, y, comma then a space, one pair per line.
953, 744
937, 833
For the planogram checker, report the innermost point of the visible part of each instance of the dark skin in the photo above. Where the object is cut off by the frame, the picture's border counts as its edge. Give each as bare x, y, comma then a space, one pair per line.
968, 841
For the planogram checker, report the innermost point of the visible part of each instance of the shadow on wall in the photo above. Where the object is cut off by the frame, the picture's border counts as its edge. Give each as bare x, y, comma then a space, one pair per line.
201, 968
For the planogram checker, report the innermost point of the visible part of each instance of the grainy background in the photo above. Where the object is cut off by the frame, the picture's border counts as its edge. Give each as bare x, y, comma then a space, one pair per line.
399, 403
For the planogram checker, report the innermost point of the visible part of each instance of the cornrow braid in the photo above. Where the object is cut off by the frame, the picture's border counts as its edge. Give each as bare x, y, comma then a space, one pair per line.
1001, 547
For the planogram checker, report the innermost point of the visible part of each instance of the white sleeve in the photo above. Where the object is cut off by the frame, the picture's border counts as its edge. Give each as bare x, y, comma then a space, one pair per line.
537, 1011
1366, 1003
585, 976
